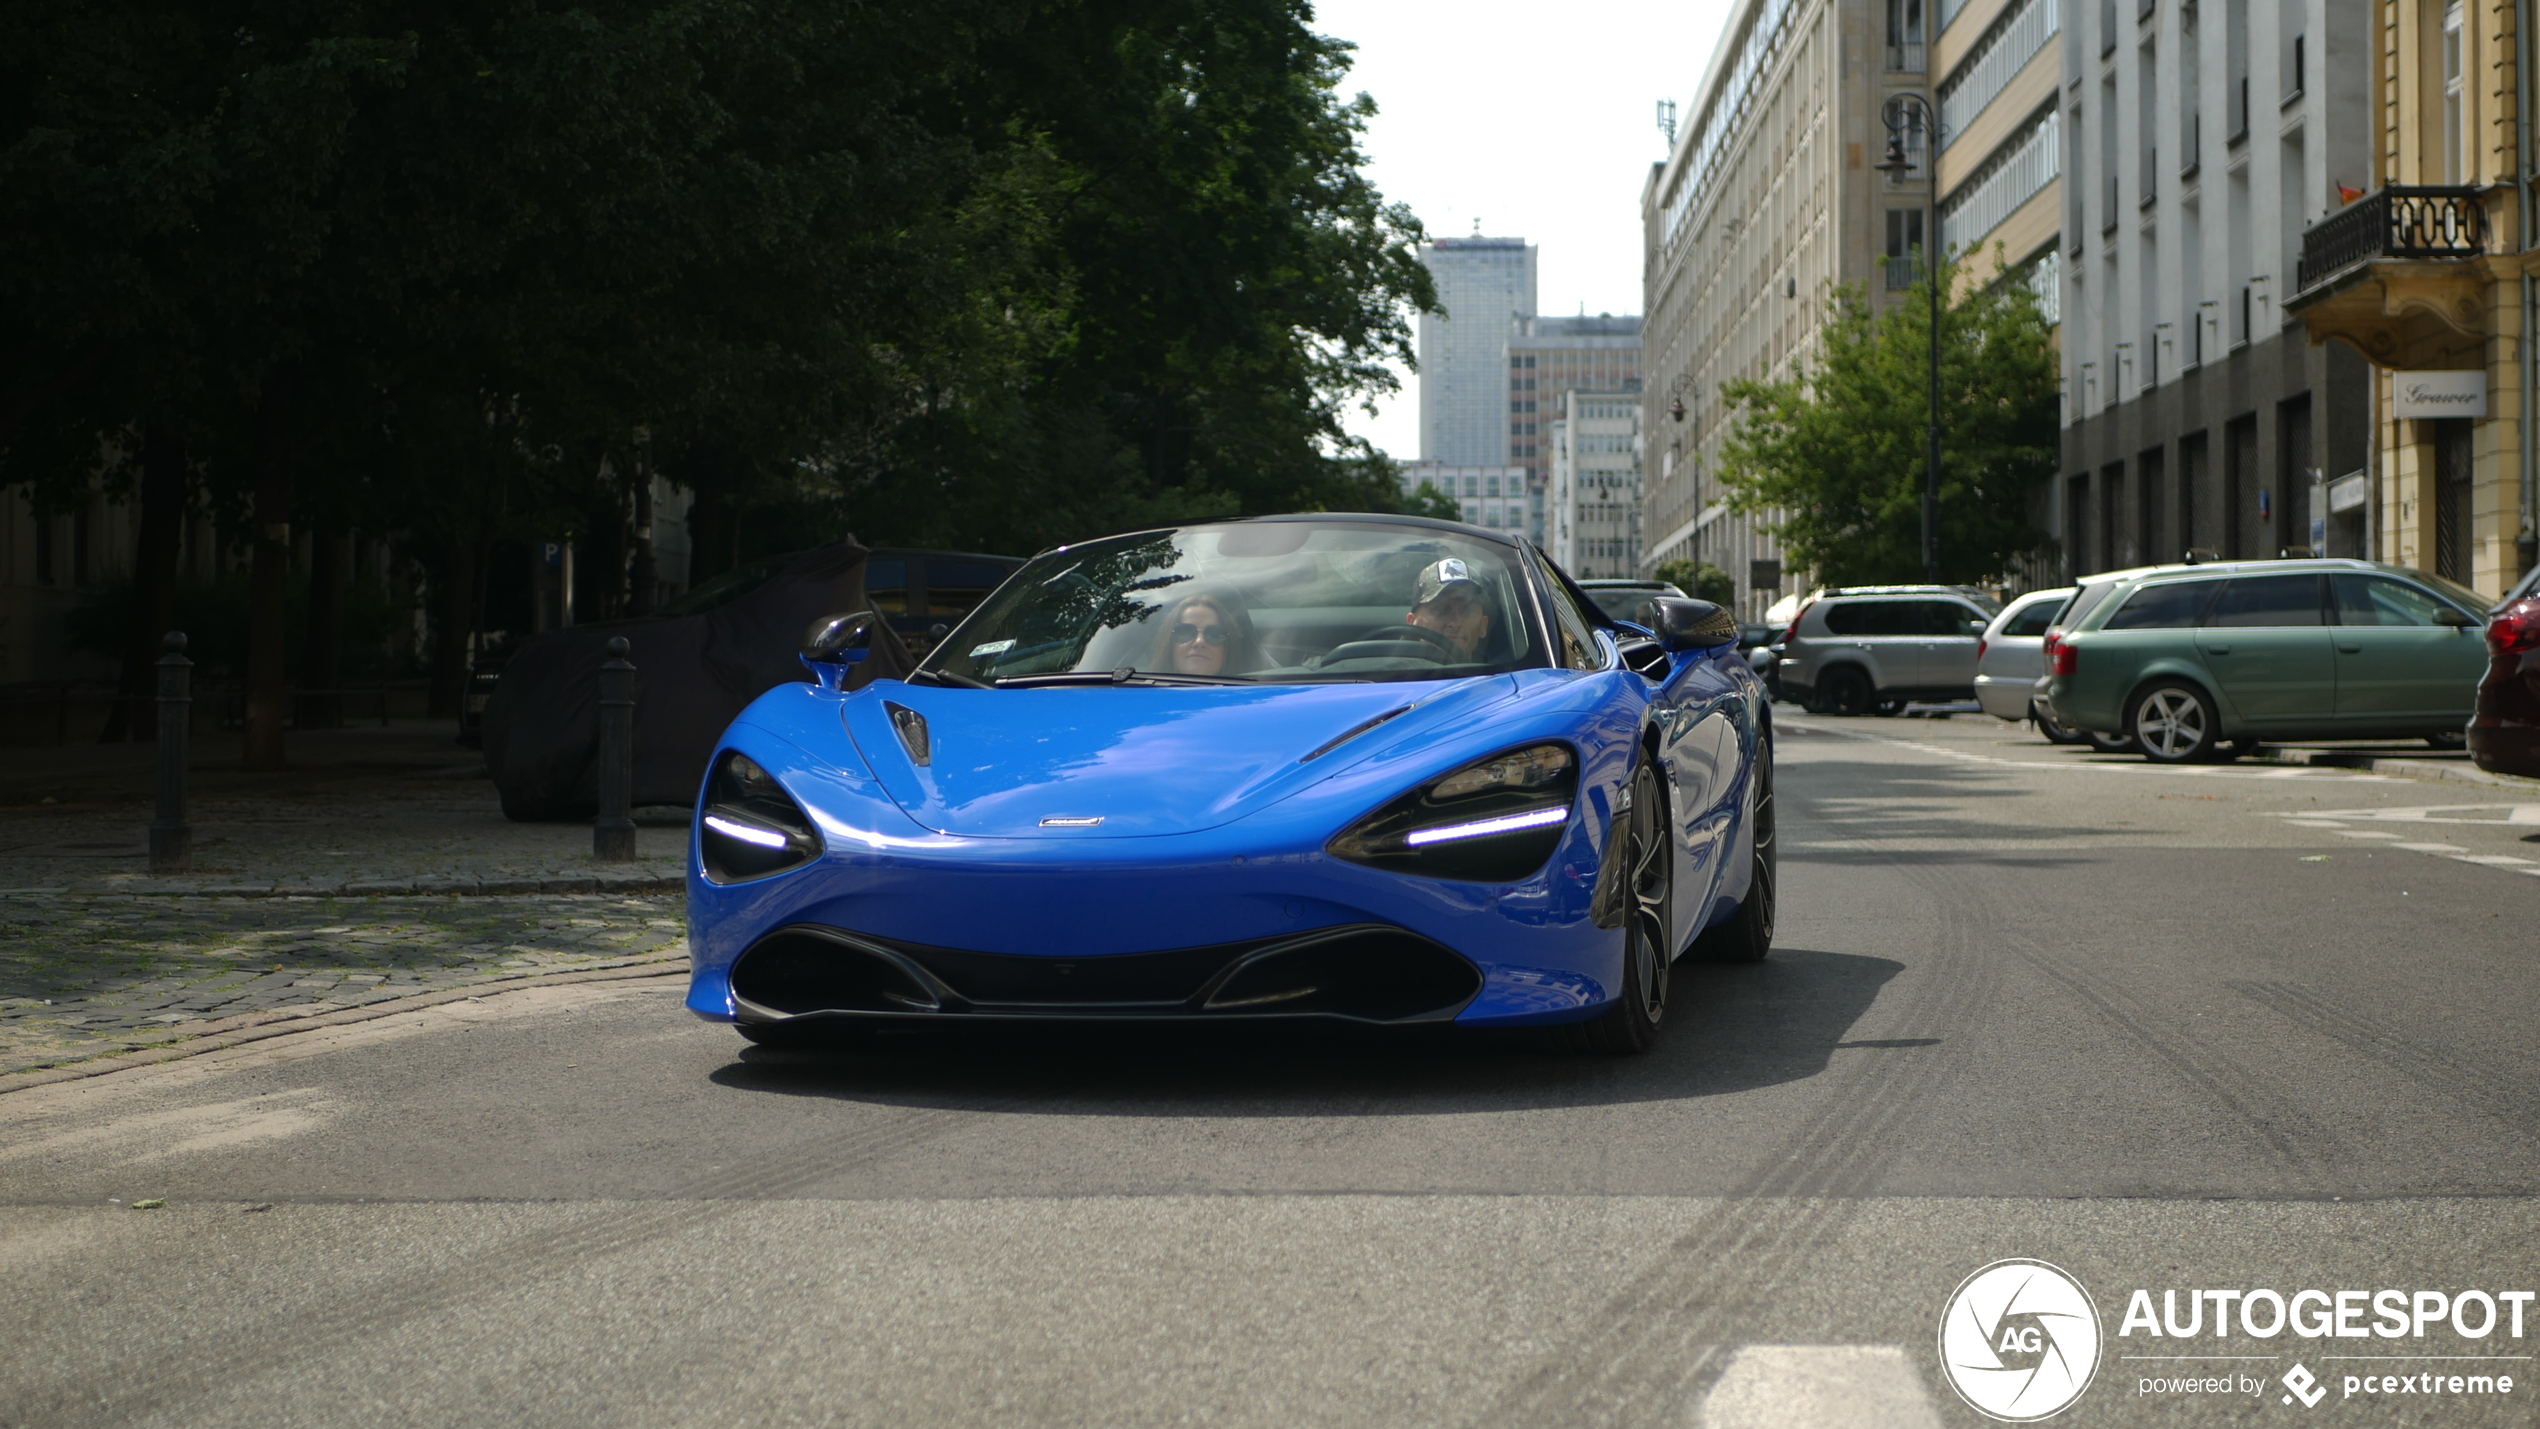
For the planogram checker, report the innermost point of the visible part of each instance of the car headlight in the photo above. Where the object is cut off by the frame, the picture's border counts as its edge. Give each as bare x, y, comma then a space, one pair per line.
1493, 822
750, 827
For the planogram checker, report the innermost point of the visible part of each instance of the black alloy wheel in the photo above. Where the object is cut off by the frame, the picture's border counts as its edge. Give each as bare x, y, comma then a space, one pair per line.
1888, 709
2452, 739
1844, 691
1748, 935
2052, 731
1631, 1024
2174, 723
2110, 743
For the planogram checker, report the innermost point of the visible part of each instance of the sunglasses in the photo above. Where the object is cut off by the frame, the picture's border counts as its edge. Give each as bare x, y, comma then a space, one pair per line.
1185, 634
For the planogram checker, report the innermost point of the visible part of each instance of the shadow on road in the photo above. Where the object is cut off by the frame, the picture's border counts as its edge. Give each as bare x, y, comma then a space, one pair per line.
1735, 1028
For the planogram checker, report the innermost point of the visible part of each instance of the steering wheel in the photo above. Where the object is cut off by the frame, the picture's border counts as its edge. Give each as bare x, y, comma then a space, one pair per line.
1395, 636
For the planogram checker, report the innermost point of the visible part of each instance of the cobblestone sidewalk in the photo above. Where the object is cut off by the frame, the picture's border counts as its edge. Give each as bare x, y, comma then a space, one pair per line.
84, 976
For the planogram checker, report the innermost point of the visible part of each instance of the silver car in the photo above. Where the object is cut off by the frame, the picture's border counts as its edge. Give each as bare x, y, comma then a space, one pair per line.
1870, 649
2010, 656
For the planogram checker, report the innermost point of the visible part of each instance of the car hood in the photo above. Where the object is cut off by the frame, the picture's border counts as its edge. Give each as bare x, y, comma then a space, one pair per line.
1143, 760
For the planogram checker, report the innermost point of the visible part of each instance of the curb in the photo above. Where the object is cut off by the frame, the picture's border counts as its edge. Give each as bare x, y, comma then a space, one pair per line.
258, 1026
2436, 771
456, 886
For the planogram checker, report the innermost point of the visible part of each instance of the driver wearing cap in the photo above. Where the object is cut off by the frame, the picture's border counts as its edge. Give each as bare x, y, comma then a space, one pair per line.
1449, 601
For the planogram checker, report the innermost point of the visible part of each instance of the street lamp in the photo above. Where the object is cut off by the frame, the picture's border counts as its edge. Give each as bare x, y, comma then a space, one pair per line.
1896, 165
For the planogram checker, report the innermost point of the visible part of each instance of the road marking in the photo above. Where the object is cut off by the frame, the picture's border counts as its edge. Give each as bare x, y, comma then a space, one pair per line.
2166, 771
2314, 824
1818, 1387
2365, 834
2492, 814
2431, 848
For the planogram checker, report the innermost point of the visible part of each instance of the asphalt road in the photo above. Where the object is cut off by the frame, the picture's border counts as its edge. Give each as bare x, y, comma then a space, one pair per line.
2237, 1028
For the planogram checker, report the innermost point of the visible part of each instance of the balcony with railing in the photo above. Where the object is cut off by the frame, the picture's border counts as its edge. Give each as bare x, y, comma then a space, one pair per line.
2401, 273
2395, 222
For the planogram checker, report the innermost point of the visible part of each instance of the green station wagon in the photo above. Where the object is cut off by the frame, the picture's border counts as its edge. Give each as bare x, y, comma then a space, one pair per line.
2198, 661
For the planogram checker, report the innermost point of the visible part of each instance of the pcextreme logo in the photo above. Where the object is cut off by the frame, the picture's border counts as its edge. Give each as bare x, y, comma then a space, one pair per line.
2019, 1341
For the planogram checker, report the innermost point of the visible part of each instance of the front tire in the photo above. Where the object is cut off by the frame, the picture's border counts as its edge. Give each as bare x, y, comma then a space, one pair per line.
2174, 723
1748, 935
1631, 1025
1844, 692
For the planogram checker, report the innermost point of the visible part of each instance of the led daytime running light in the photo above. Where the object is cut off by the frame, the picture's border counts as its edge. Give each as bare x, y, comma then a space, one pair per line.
743, 832
1484, 828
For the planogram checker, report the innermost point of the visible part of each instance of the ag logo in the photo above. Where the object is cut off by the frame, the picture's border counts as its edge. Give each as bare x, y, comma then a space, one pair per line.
2301, 1381
2019, 1340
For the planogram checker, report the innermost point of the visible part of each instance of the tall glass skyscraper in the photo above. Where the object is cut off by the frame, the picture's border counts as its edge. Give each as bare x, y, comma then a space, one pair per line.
1484, 284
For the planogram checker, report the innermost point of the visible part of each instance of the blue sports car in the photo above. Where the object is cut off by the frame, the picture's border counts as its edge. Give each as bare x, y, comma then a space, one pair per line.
1379, 769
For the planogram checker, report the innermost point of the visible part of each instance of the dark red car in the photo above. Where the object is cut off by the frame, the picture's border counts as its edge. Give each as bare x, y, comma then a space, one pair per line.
2504, 736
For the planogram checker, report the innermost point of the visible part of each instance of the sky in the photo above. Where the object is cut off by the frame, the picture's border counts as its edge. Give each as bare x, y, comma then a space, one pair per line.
1539, 121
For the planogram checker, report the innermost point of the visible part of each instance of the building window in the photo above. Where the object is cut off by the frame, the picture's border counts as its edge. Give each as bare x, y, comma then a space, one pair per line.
2453, 168
1905, 34
1904, 247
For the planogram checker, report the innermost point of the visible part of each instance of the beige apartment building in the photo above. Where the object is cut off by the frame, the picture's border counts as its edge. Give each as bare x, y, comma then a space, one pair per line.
2430, 276
1767, 202
2001, 190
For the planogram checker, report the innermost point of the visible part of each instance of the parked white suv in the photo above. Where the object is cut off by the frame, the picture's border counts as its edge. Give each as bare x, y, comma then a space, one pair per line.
1869, 649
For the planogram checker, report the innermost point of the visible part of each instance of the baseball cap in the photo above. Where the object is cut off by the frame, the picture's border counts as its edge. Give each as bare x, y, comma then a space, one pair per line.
1438, 576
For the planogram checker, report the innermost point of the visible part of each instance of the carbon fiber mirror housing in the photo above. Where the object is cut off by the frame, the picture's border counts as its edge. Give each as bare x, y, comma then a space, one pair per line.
1683, 623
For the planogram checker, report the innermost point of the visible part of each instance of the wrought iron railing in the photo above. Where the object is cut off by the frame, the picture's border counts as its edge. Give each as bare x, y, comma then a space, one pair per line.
2395, 222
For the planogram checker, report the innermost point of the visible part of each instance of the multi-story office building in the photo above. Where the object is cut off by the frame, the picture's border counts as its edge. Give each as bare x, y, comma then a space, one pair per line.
1493, 496
2427, 277
1768, 202
1596, 484
1485, 285
1548, 357
2200, 140
2001, 146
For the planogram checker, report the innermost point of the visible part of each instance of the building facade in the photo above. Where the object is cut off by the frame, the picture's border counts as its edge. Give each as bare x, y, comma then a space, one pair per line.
1767, 202
2001, 147
2428, 278
1497, 496
1547, 359
1485, 285
1595, 486
2199, 413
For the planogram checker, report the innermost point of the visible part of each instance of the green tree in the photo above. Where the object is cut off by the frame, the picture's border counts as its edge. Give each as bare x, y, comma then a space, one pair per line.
1429, 501
1835, 453
1701, 580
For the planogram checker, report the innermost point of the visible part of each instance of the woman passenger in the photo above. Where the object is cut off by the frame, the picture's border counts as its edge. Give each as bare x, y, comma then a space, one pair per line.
1204, 634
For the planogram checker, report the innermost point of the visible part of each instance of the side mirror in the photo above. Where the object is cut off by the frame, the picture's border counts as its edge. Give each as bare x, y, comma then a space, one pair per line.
1683, 623
837, 643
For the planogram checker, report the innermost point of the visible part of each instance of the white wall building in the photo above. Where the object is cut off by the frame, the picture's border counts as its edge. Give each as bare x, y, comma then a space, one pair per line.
2200, 141
1493, 496
1596, 484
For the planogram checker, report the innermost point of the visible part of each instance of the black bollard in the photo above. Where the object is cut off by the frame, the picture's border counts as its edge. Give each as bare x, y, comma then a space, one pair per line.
613, 833
171, 837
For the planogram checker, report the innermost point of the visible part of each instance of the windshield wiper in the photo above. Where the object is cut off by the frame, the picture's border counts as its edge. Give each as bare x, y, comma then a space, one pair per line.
1122, 676
947, 677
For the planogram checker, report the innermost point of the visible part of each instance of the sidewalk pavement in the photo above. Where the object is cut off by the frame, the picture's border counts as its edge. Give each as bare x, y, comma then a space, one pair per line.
334, 885
2442, 767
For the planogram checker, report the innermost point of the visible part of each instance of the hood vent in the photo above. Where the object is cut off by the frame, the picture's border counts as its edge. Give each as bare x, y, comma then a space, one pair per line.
1353, 732
912, 730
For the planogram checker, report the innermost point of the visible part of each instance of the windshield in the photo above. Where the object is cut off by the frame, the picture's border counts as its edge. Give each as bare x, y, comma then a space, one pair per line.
1273, 602
1623, 602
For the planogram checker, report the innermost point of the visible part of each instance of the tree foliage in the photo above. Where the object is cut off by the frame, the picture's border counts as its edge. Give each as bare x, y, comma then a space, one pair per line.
981, 273
1835, 456
1701, 580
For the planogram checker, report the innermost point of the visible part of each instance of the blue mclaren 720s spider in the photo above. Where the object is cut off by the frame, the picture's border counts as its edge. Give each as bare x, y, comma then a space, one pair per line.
1380, 769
